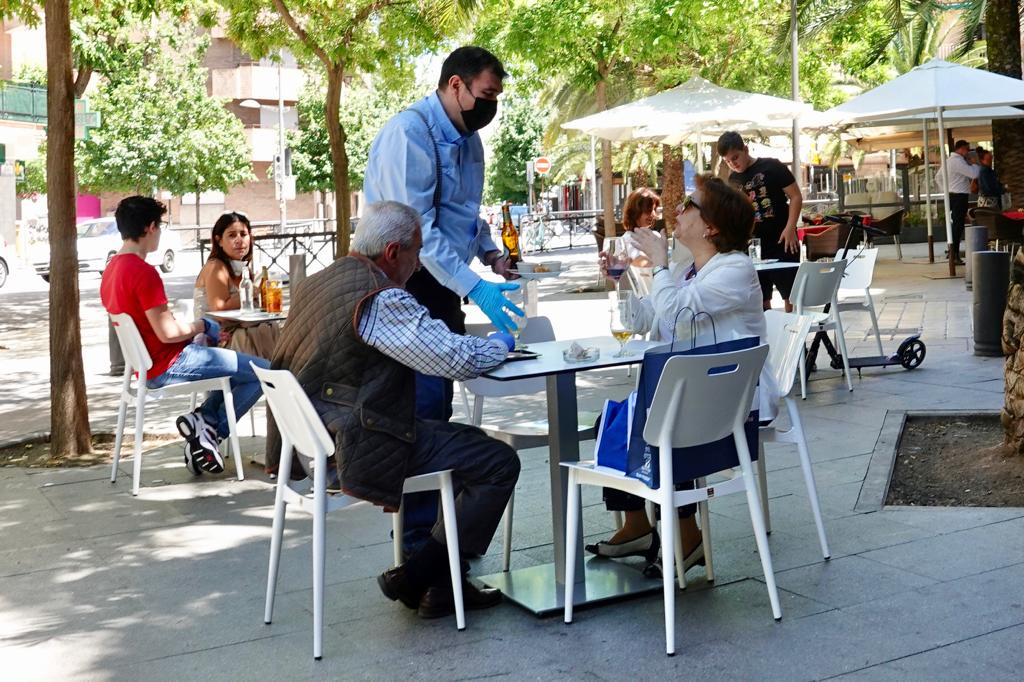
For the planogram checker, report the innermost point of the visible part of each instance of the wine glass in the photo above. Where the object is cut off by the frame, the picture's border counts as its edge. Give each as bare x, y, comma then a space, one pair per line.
620, 323
518, 297
618, 259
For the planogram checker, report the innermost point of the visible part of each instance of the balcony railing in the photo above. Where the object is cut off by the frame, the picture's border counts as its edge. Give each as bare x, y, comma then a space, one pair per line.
23, 103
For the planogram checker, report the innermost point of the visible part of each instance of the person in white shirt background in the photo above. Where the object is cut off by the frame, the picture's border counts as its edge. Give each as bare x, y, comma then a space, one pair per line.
961, 172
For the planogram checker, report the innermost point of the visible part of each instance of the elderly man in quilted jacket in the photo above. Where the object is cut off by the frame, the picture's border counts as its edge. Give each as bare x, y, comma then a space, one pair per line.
355, 340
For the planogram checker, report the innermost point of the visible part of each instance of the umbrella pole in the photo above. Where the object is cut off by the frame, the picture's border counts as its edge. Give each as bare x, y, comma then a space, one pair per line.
928, 196
944, 169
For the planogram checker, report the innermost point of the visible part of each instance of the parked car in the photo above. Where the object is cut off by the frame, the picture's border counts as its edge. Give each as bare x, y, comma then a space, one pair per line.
6, 262
98, 241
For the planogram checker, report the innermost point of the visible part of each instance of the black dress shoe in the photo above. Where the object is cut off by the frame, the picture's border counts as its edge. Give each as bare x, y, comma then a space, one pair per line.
395, 585
438, 601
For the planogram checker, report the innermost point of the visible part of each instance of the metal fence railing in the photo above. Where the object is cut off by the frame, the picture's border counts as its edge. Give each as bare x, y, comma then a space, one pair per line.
23, 103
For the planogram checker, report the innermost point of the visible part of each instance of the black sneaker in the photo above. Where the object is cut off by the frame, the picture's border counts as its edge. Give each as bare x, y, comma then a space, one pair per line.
200, 443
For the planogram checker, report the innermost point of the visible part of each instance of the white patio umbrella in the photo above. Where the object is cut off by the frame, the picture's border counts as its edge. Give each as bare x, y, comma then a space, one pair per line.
932, 90
686, 110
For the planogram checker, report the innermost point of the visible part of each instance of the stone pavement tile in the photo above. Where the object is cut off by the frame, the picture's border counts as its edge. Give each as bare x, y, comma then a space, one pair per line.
848, 580
792, 512
951, 519
958, 554
827, 473
737, 559
862, 533
992, 656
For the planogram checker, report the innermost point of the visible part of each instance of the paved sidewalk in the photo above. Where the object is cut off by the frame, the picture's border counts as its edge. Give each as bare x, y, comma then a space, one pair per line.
102, 586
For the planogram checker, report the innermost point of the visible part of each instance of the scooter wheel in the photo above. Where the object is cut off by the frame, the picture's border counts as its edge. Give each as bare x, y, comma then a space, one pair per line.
911, 353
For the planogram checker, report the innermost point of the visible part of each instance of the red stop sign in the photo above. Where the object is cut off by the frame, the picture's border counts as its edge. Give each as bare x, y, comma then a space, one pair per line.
542, 165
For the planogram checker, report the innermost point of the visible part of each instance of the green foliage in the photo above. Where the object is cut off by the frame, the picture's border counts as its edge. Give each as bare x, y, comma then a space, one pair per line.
159, 129
516, 141
30, 74
365, 107
35, 175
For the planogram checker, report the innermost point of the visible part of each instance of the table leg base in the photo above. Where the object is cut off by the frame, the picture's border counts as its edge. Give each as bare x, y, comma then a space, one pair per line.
535, 590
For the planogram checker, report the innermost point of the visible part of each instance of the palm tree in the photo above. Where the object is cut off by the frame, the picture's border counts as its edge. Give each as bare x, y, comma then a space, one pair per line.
1002, 32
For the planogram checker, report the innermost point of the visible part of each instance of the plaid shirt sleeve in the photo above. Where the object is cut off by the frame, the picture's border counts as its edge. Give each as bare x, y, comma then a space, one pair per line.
400, 328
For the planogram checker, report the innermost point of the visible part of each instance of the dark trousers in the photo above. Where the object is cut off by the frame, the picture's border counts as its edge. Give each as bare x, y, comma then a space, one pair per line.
957, 217
433, 400
484, 471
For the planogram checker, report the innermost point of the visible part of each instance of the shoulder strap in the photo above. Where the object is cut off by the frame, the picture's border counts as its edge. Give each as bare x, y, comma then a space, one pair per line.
437, 164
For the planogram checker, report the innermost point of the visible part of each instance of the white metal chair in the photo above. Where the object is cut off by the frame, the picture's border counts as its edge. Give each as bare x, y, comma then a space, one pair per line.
302, 429
522, 435
855, 287
699, 399
136, 359
817, 285
787, 333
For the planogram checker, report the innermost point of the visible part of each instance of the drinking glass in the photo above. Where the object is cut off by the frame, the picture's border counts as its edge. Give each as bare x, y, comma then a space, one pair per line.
619, 324
754, 250
273, 302
518, 297
618, 259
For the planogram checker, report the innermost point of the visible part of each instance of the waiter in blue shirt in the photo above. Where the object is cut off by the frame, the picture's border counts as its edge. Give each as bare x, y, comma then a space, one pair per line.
435, 141
403, 167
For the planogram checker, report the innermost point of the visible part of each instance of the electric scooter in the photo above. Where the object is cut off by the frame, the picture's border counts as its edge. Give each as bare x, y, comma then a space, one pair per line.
911, 351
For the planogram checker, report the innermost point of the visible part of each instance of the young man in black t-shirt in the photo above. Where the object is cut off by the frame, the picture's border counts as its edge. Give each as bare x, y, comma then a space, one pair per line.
777, 201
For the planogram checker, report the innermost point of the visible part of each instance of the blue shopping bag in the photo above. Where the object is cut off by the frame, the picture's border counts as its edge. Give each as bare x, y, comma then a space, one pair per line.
692, 462
613, 433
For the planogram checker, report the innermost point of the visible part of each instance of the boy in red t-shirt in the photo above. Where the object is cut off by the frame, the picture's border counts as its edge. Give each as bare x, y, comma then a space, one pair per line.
132, 286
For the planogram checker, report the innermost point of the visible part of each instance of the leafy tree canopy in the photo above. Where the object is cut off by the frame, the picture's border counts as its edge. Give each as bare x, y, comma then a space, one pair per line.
365, 107
516, 141
159, 129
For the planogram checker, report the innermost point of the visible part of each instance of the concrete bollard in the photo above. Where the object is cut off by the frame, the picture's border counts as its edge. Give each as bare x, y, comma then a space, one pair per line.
116, 356
976, 240
296, 269
991, 281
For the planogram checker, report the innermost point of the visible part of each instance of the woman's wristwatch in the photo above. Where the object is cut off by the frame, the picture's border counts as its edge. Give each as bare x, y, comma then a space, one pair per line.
657, 269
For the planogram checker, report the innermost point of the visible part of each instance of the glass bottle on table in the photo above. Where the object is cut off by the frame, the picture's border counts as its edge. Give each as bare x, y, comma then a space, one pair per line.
245, 291
264, 279
509, 234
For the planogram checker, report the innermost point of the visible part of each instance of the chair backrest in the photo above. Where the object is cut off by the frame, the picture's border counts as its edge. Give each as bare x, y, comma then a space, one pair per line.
860, 201
816, 284
702, 398
640, 280
295, 416
1007, 229
825, 244
787, 336
860, 269
986, 217
132, 347
882, 212
538, 329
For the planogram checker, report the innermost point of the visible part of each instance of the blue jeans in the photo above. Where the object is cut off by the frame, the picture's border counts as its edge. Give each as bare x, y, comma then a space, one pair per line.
210, 362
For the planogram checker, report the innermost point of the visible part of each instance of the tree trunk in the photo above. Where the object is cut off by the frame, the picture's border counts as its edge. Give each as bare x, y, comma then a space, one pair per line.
339, 158
607, 181
672, 180
1002, 29
69, 413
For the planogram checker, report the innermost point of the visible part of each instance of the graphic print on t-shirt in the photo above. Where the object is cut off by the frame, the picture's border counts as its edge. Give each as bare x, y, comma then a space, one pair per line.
757, 191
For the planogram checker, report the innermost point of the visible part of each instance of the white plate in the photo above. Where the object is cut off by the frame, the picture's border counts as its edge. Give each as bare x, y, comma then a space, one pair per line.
766, 261
536, 275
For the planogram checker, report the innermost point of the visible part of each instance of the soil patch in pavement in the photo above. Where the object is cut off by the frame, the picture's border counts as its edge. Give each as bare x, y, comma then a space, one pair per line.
956, 461
37, 454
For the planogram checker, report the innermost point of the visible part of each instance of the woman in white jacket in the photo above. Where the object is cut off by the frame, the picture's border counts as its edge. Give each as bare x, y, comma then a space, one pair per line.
715, 224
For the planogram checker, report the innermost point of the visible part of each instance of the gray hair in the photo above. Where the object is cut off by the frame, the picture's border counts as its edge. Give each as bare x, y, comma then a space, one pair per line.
383, 223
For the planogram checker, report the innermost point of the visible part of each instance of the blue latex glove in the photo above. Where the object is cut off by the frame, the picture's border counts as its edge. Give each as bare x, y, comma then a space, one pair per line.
506, 339
490, 299
212, 329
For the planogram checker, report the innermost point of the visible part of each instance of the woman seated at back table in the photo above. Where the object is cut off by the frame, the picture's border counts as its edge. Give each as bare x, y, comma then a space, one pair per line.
217, 285
715, 223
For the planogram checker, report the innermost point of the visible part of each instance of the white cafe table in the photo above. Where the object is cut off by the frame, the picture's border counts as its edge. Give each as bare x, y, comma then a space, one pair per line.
247, 317
774, 265
541, 589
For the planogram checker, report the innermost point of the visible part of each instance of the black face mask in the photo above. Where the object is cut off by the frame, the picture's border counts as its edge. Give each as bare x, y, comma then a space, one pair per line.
480, 115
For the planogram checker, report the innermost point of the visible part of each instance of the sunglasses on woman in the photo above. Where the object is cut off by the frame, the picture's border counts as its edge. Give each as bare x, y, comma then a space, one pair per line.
688, 202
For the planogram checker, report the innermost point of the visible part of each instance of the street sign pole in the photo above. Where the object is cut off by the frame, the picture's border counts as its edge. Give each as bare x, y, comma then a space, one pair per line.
529, 182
